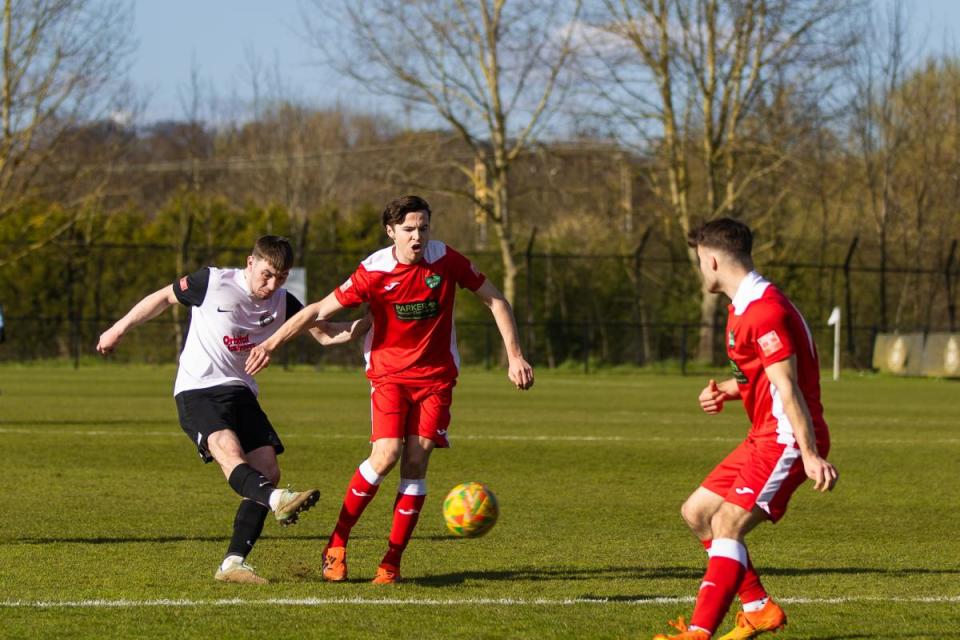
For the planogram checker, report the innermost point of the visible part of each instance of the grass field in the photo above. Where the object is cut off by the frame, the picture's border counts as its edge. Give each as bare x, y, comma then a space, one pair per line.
112, 528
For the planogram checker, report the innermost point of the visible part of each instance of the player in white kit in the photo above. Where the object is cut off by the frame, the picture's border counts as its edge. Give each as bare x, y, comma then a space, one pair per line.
233, 310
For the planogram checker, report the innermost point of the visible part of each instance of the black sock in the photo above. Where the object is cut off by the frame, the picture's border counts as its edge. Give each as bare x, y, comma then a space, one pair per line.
251, 484
247, 527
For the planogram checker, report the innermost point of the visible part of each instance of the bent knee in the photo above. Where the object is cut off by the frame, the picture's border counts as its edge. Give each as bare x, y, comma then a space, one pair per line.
273, 475
384, 459
691, 514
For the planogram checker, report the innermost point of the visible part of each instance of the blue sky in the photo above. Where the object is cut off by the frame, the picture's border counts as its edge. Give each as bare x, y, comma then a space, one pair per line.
217, 38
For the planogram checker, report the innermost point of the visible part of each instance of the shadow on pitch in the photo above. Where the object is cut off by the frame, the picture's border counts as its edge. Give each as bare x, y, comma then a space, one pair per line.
151, 539
63, 422
536, 574
321, 539
870, 635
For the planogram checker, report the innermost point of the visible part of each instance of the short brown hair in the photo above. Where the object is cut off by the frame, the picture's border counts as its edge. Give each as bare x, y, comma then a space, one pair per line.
397, 210
276, 250
725, 234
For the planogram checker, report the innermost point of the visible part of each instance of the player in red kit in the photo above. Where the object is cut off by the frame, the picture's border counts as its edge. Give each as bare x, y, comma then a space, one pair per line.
776, 374
412, 365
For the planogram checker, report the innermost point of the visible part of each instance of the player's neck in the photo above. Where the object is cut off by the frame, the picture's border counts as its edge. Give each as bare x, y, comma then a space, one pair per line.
731, 284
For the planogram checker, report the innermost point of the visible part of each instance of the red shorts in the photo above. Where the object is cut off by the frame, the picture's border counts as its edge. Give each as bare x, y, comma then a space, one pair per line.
400, 410
762, 473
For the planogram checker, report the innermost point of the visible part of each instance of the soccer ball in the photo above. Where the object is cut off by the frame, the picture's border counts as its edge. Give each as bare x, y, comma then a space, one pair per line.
470, 509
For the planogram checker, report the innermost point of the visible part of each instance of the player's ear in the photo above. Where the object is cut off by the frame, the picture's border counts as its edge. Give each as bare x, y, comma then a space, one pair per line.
390, 232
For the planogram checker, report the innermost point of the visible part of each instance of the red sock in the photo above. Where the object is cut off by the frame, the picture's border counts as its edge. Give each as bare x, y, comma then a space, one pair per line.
406, 513
728, 560
359, 494
751, 589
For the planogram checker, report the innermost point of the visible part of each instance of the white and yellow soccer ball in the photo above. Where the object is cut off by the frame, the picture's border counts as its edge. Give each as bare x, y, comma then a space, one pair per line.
470, 509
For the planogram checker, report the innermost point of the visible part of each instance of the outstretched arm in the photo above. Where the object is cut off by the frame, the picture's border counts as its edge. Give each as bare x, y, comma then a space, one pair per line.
307, 318
328, 333
783, 375
150, 307
519, 370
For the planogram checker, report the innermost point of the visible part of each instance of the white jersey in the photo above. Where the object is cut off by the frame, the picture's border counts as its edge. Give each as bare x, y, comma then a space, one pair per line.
226, 322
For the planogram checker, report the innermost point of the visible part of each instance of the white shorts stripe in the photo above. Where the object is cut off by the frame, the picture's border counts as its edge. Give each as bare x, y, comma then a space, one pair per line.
777, 476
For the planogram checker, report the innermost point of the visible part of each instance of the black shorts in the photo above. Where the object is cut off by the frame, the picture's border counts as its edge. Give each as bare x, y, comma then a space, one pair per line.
233, 407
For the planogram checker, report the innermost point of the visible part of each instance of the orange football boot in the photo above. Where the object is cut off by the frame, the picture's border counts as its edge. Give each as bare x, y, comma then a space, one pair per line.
335, 564
685, 633
749, 625
387, 574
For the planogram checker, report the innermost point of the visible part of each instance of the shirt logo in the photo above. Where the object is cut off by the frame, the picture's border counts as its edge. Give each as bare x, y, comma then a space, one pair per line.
224, 310
238, 343
730, 342
433, 281
409, 311
265, 319
770, 343
388, 287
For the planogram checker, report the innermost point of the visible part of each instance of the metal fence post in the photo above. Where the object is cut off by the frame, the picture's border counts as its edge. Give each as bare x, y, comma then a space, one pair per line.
948, 277
683, 349
586, 347
848, 295
529, 264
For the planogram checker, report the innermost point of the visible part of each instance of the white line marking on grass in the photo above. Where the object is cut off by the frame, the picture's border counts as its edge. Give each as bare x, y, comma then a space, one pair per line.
173, 433
363, 436
433, 602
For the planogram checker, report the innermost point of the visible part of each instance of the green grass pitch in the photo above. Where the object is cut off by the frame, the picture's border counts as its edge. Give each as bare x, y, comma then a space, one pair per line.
112, 528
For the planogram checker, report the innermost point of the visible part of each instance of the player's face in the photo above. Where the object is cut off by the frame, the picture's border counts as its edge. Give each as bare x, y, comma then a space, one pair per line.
263, 278
410, 237
708, 269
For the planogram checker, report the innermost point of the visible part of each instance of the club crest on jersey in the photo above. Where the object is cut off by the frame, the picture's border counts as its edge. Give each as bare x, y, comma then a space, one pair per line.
265, 319
740, 376
730, 341
433, 281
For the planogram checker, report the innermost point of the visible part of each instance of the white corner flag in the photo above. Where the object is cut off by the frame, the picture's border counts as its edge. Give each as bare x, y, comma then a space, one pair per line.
834, 321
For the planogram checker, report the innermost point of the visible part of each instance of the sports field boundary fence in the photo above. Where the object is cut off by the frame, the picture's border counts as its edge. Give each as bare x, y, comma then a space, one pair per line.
580, 311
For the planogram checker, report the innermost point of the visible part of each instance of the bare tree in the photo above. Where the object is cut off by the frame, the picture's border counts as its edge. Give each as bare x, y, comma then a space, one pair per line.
63, 67
682, 78
488, 69
880, 129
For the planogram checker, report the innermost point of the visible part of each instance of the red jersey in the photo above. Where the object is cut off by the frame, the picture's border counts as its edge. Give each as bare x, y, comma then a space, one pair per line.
413, 339
763, 328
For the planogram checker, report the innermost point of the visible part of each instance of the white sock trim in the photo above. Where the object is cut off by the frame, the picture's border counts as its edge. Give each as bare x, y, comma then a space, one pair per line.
413, 487
728, 548
275, 499
369, 473
756, 605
